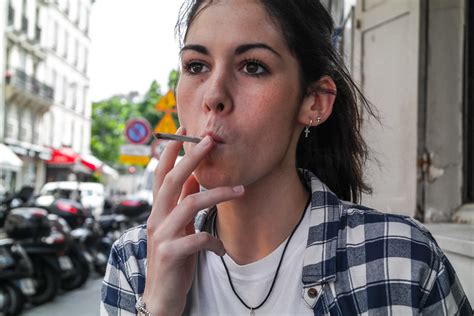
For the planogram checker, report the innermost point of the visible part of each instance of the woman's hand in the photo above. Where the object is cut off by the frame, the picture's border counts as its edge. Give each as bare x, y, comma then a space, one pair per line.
172, 244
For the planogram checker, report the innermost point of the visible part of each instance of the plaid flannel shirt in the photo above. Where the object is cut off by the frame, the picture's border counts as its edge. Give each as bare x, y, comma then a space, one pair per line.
357, 261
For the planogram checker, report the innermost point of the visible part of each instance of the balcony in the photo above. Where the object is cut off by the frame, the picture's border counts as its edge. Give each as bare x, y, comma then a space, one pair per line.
29, 44
26, 90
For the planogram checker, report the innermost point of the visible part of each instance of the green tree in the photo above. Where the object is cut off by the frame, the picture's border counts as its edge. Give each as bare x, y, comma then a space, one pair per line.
173, 79
147, 106
108, 123
110, 116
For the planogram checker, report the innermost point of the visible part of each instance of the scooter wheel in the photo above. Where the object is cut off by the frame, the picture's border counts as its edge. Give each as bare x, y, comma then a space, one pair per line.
11, 300
79, 277
47, 283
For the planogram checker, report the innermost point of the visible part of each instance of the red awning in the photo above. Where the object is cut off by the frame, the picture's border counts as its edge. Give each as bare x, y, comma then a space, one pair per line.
63, 156
91, 162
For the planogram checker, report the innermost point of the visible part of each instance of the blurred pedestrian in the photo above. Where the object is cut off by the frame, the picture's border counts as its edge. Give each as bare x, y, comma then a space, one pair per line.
280, 158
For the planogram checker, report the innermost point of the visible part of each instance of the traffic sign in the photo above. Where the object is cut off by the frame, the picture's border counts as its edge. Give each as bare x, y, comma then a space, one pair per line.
134, 160
167, 102
138, 131
166, 125
135, 154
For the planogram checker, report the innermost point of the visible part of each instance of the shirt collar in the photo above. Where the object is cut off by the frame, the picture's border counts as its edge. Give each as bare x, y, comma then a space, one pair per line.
320, 255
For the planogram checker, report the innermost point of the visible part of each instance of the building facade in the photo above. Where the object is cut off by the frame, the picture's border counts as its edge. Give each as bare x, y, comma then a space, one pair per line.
46, 103
414, 60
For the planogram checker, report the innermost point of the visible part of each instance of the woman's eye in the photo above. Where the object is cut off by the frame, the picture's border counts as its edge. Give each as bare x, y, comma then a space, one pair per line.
196, 67
254, 68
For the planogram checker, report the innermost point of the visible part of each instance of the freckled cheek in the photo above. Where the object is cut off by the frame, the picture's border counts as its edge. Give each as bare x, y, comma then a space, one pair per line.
188, 101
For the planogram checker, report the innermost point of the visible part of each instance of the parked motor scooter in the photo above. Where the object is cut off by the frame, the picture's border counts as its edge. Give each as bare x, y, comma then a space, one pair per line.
84, 249
135, 209
45, 247
70, 278
94, 245
15, 277
17, 199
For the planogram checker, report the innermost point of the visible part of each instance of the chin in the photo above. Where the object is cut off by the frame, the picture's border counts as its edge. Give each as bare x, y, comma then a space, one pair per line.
212, 177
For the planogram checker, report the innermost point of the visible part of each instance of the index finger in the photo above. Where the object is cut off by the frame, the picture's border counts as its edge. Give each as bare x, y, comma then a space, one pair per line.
167, 161
174, 180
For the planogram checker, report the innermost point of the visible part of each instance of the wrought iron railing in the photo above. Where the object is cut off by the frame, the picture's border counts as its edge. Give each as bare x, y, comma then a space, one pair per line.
22, 81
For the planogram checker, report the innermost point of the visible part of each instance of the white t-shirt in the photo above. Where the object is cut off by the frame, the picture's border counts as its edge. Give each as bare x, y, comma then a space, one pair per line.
211, 293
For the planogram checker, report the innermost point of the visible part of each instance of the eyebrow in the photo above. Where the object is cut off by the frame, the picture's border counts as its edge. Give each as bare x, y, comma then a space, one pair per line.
198, 48
238, 51
246, 47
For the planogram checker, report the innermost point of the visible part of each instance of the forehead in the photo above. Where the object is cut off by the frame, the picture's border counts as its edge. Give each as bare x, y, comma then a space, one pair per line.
228, 21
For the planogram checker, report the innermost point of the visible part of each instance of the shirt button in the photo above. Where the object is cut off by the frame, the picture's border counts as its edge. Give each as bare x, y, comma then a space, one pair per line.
312, 292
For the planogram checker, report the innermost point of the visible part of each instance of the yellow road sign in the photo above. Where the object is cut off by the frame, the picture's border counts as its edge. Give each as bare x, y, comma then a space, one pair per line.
134, 160
166, 125
167, 102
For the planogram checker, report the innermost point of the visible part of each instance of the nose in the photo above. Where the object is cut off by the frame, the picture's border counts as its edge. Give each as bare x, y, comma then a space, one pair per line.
217, 96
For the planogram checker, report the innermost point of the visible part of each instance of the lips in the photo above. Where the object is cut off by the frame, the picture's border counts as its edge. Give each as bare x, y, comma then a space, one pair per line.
218, 139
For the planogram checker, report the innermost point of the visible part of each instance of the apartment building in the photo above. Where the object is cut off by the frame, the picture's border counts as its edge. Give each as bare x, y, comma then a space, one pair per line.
46, 105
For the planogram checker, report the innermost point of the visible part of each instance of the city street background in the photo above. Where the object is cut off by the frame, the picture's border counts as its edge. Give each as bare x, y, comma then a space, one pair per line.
84, 84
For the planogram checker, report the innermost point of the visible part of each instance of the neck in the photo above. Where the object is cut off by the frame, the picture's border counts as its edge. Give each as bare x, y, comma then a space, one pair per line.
265, 222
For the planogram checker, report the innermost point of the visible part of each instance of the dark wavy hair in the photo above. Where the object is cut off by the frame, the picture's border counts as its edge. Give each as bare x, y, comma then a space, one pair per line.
334, 151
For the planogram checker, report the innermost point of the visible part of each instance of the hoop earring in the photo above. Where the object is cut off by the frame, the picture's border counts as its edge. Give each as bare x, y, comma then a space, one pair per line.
306, 129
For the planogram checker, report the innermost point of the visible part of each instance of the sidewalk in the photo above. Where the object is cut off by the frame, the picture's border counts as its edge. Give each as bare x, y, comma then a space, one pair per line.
81, 302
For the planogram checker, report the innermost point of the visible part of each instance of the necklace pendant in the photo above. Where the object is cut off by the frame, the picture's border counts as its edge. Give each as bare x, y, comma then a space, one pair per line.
252, 312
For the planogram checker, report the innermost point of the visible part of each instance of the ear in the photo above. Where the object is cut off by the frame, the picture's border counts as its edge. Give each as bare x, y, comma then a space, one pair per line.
318, 101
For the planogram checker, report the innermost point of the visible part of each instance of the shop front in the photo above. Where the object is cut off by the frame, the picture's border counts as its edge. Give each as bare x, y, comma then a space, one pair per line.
10, 167
67, 165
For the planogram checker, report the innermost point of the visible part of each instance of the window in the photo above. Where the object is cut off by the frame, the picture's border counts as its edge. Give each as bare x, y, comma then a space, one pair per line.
84, 101
52, 83
51, 129
24, 19
8, 57
55, 36
86, 57
66, 39
12, 121
73, 95
35, 123
22, 59
37, 25
72, 140
67, 7
25, 125
64, 96
79, 101
86, 21
78, 12
11, 14
76, 52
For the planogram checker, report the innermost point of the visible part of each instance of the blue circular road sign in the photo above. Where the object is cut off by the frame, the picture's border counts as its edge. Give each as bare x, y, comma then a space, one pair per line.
138, 131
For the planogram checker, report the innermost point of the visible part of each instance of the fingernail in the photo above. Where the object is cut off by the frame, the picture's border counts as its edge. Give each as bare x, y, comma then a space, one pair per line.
238, 189
206, 141
181, 131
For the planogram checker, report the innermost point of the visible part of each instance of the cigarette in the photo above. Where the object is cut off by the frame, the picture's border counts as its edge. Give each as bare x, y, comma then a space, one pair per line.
179, 138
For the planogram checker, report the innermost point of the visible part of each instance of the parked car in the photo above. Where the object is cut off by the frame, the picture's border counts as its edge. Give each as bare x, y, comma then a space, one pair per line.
90, 194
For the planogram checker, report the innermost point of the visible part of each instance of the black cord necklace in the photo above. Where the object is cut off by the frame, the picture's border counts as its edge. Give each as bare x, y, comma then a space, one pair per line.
252, 309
